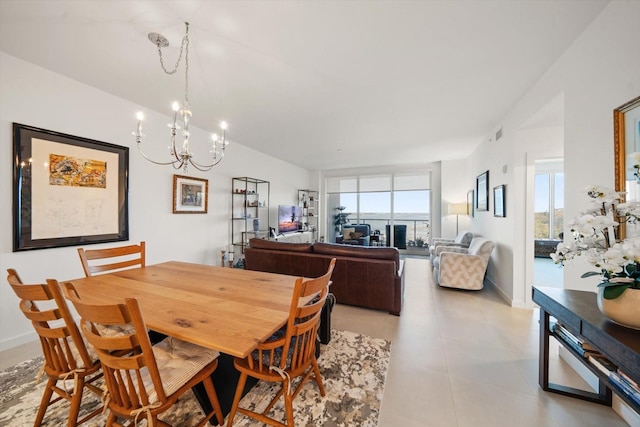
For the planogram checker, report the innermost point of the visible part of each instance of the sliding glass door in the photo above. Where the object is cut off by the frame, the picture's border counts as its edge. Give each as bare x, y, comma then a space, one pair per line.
398, 202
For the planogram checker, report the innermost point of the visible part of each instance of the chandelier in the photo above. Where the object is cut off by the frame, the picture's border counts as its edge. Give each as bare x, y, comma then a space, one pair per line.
182, 157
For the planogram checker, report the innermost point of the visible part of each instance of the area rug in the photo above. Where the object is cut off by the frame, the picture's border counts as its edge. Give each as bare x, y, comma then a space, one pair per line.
353, 367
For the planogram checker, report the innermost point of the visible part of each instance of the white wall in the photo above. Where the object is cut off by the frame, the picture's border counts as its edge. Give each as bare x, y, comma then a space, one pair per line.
599, 72
34, 96
455, 183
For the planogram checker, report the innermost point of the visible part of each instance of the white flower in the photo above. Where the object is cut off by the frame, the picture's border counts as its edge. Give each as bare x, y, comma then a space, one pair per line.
595, 234
603, 194
590, 225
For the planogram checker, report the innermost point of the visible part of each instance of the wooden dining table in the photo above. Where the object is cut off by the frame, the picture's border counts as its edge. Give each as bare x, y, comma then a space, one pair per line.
226, 309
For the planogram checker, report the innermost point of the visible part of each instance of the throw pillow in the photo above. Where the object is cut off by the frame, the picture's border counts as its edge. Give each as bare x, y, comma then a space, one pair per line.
346, 232
356, 236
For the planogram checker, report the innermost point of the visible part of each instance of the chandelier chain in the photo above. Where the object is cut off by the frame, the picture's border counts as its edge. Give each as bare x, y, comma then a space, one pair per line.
184, 49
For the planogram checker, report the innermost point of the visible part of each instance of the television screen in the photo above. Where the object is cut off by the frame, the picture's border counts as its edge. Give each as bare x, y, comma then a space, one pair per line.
289, 218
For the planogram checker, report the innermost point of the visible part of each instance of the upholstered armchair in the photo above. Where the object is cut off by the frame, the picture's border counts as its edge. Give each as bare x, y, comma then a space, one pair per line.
462, 240
355, 234
463, 268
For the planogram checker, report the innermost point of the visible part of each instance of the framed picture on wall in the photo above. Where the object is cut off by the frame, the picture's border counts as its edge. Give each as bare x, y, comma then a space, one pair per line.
190, 195
470, 206
499, 207
482, 192
67, 190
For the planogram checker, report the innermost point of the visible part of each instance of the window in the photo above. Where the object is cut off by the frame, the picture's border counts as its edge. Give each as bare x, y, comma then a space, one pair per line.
549, 200
381, 200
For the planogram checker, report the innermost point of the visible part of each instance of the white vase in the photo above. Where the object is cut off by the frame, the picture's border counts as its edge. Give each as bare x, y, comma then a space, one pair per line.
624, 310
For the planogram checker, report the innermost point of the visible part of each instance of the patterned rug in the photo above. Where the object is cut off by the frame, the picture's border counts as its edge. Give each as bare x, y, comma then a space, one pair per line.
353, 367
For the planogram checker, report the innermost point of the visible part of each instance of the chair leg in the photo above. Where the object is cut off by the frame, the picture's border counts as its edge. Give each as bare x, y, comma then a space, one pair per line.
44, 403
316, 374
236, 399
112, 419
76, 400
288, 404
213, 397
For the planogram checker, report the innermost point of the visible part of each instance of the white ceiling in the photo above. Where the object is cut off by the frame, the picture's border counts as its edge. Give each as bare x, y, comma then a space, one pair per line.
322, 84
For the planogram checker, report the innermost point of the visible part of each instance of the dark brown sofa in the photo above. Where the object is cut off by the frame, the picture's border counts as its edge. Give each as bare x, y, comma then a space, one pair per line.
371, 277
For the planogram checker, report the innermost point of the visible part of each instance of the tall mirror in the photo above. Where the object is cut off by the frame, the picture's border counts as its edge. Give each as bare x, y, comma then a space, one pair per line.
626, 140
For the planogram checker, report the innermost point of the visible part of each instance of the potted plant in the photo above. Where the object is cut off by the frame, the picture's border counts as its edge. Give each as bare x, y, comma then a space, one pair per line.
419, 242
595, 234
341, 218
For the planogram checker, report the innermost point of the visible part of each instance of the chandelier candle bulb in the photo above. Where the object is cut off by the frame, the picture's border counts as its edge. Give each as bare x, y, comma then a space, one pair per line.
140, 117
176, 108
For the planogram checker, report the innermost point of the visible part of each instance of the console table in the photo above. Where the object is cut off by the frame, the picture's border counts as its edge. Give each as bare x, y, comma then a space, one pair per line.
579, 313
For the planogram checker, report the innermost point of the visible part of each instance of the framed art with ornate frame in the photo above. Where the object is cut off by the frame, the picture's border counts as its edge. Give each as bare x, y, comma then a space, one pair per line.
190, 195
67, 190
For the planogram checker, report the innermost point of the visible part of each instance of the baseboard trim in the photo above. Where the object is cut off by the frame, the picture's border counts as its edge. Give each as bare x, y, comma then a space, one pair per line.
505, 297
17, 341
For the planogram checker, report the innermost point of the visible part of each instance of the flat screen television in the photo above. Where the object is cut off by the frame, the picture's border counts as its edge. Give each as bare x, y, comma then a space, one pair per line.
289, 218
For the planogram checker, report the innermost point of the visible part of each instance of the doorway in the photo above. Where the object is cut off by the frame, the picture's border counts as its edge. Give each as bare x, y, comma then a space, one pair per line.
548, 220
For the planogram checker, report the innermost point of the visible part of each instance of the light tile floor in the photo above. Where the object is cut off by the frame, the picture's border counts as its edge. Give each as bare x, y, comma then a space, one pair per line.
465, 358
458, 359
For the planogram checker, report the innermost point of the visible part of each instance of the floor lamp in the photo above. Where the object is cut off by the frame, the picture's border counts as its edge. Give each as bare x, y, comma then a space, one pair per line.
457, 209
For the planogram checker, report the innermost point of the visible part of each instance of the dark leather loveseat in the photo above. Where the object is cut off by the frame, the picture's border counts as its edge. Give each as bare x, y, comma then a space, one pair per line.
371, 277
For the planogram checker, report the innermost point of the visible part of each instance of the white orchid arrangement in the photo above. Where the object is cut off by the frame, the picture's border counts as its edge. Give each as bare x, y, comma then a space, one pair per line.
595, 235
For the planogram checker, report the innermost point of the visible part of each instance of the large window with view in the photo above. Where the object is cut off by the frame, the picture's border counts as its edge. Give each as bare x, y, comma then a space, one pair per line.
395, 206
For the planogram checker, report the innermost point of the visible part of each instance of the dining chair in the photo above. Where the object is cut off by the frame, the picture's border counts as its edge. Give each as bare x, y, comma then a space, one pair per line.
109, 259
66, 357
289, 354
142, 380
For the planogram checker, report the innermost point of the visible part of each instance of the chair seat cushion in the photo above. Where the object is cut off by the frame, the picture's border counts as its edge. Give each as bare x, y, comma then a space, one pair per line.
76, 354
178, 361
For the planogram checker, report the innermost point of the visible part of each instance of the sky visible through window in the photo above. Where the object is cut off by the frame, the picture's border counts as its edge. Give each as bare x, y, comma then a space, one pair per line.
405, 202
542, 192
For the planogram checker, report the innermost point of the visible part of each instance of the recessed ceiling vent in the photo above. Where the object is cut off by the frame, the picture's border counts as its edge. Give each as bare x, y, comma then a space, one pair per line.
499, 134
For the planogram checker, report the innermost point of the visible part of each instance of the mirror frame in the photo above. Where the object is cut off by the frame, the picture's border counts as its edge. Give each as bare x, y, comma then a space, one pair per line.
619, 146
620, 152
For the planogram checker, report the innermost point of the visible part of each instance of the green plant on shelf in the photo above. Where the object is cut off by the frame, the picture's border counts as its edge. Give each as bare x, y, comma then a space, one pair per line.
341, 218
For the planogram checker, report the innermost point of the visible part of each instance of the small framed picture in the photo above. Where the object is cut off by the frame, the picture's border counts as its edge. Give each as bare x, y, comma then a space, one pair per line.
499, 201
190, 195
470, 206
482, 192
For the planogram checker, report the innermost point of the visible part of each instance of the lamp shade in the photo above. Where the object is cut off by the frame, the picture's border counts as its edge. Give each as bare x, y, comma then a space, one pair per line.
457, 208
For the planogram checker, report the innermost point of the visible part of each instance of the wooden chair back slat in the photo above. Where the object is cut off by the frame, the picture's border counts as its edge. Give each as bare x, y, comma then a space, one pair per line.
112, 259
294, 353
64, 350
119, 335
134, 348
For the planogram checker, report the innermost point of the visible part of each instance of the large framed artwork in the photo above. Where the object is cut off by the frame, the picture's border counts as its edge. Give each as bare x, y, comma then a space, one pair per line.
499, 201
190, 195
482, 192
67, 190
